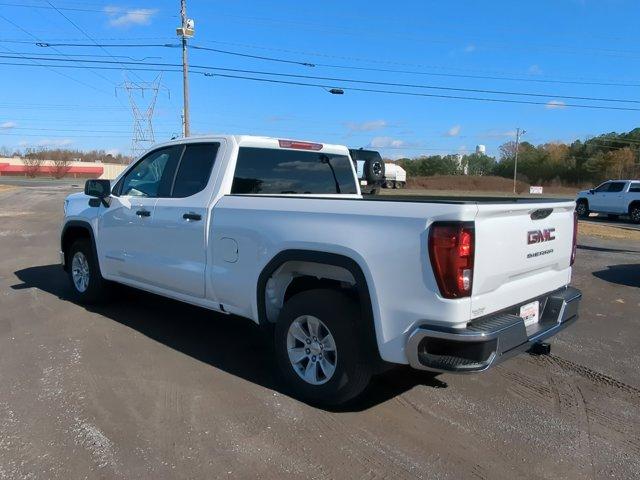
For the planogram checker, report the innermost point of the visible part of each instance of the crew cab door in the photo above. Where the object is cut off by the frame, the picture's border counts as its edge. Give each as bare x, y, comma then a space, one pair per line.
597, 201
179, 248
125, 228
614, 198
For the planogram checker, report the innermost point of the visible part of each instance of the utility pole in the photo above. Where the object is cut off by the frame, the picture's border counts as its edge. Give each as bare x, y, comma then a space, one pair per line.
185, 31
515, 165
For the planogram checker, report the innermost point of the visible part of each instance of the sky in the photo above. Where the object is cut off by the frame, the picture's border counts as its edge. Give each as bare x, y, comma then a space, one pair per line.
419, 50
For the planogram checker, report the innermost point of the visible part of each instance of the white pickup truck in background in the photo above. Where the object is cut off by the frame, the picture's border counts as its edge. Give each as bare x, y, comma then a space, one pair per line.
277, 231
613, 197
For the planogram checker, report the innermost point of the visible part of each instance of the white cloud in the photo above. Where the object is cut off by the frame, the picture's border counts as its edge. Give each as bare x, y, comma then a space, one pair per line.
8, 125
386, 142
120, 17
61, 142
554, 105
499, 134
369, 126
470, 48
535, 70
453, 131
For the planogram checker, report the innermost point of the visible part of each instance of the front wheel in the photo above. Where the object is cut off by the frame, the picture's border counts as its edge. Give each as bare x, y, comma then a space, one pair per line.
84, 273
320, 348
582, 209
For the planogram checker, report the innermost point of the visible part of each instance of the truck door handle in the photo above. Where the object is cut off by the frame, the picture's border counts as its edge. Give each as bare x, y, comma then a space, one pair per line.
143, 213
192, 216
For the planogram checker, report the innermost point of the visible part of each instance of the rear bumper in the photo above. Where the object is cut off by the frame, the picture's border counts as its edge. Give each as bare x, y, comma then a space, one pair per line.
492, 339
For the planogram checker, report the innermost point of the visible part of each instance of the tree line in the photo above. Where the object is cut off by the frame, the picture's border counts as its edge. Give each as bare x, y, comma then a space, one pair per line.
591, 161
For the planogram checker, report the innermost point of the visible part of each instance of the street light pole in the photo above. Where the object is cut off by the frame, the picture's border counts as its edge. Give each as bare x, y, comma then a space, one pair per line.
183, 32
515, 165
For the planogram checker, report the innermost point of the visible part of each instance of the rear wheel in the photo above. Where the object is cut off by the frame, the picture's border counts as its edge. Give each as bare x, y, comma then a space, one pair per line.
84, 273
319, 348
582, 209
634, 213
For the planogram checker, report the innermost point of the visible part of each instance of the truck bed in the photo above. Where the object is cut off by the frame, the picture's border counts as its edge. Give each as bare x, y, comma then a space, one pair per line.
463, 199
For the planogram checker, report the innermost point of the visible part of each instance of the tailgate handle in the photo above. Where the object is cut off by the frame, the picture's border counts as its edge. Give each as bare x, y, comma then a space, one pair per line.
541, 213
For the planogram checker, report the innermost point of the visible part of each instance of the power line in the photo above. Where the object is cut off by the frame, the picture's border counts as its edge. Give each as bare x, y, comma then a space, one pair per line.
307, 63
80, 82
77, 27
369, 82
140, 12
326, 86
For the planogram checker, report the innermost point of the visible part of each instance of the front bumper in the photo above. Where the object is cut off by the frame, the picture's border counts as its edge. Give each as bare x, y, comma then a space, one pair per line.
491, 339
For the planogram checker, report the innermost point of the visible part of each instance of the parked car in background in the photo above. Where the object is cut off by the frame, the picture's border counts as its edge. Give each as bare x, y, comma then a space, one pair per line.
370, 169
613, 197
394, 176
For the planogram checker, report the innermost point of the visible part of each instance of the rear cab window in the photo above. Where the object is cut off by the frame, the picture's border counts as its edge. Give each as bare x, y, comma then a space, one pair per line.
279, 171
634, 187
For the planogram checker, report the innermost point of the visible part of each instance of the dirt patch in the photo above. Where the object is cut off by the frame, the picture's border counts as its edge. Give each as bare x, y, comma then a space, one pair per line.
607, 231
469, 183
4, 188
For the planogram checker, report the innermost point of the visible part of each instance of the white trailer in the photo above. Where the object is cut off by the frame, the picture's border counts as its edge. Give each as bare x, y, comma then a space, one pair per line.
394, 176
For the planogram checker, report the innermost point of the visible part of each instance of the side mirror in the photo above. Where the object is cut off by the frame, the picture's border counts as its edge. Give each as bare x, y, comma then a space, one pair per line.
97, 188
100, 190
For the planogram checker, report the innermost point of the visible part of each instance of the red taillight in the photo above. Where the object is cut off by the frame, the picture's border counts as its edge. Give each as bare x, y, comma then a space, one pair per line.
451, 249
574, 246
299, 145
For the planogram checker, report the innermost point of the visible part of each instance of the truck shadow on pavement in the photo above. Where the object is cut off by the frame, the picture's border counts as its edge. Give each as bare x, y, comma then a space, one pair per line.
628, 274
233, 344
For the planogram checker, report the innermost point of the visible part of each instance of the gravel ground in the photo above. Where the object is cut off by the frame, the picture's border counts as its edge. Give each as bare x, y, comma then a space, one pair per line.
150, 388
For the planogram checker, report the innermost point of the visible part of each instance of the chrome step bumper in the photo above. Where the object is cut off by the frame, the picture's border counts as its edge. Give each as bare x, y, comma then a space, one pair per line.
492, 339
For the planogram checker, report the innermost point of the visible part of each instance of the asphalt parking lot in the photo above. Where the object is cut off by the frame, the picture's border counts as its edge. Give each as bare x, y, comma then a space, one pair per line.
150, 388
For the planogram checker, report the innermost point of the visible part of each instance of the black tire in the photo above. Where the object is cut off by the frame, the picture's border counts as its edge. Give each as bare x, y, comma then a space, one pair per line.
96, 290
634, 213
353, 368
374, 170
582, 208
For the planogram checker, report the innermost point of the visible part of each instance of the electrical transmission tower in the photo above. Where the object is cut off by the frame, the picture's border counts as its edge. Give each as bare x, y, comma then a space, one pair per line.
142, 98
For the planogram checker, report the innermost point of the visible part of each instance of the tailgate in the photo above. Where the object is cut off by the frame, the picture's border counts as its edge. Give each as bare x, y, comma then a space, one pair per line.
521, 251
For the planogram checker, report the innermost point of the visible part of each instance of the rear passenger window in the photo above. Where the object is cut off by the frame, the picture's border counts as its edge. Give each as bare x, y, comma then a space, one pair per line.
616, 186
275, 171
195, 168
635, 188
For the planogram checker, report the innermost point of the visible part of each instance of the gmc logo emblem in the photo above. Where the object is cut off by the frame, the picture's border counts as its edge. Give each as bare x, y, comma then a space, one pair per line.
539, 236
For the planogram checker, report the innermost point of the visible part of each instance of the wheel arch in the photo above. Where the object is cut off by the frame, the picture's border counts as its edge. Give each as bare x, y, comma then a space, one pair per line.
335, 266
72, 231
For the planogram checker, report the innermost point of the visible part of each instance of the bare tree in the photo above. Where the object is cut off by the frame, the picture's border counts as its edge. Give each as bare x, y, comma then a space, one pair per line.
61, 167
32, 165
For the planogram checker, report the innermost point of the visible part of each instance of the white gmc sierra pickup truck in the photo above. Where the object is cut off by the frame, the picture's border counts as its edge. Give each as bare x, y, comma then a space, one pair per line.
276, 231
